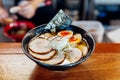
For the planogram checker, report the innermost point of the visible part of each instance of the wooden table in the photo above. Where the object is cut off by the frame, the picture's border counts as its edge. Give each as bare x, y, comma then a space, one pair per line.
104, 64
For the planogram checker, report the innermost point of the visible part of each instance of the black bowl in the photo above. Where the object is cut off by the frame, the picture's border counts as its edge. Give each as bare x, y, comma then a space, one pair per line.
40, 29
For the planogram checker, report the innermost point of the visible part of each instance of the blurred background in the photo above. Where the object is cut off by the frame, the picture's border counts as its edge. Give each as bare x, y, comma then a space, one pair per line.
99, 17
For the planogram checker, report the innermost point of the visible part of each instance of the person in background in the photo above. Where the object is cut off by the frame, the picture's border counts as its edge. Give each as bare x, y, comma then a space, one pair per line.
37, 11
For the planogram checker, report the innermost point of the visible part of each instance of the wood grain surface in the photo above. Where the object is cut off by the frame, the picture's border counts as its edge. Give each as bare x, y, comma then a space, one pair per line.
104, 64
100, 48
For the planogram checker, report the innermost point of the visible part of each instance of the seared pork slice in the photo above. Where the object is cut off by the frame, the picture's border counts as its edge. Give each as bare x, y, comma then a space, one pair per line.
57, 59
46, 35
75, 55
39, 46
43, 56
83, 48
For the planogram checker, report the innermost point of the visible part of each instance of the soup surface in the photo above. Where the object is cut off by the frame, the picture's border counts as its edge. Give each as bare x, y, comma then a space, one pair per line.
63, 47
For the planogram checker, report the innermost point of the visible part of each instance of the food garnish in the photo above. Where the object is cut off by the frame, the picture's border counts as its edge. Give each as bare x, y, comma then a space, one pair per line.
76, 38
57, 49
64, 43
66, 33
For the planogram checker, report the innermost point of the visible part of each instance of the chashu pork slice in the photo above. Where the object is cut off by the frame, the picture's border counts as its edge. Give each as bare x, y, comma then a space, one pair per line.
57, 59
46, 35
75, 55
84, 49
43, 56
39, 45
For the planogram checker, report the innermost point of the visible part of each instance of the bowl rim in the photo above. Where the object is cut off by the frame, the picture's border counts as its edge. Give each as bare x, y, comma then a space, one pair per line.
67, 65
17, 23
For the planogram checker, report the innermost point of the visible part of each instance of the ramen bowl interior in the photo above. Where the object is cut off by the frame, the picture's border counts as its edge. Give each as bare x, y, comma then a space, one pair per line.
40, 29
